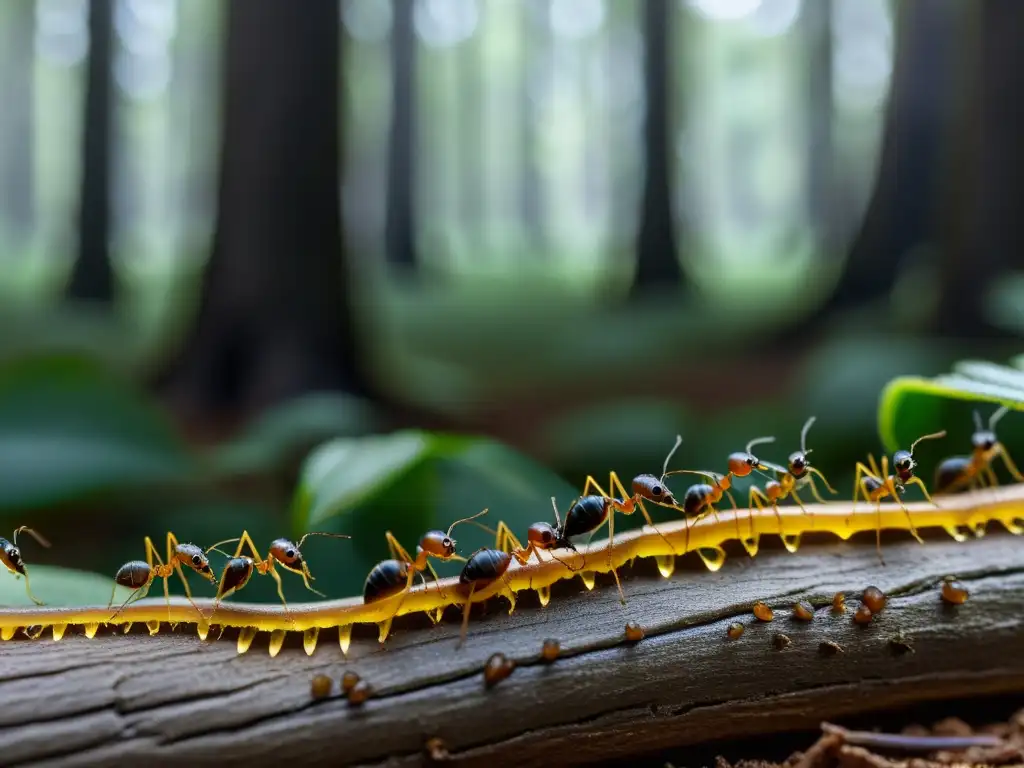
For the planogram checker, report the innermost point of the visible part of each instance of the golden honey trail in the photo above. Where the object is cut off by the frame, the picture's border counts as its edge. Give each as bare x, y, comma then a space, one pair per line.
957, 515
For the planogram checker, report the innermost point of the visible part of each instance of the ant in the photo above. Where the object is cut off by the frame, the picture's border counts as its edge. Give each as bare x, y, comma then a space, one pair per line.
483, 568
395, 576
10, 556
877, 483
797, 473
284, 552
539, 537
701, 498
139, 575
959, 472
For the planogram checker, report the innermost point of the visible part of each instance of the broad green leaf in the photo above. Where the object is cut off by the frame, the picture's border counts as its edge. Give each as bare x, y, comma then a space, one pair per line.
911, 406
69, 428
294, 428
60, 587
348, 471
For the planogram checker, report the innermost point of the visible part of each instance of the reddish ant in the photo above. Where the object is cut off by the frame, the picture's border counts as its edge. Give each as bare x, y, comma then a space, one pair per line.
139, 576
539, 537
10, 557
960, 472
792, 477
284, 552
877, 483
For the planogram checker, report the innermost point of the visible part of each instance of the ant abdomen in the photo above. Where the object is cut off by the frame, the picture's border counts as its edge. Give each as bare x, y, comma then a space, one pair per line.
484, 566
387, 579
951, 472
237, 572
585, 515
696, 498
134, 574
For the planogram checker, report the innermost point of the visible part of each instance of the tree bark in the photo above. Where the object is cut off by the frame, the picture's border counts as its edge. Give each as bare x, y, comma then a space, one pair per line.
115, 699
657, 259
92, 276
275, 317
400, 231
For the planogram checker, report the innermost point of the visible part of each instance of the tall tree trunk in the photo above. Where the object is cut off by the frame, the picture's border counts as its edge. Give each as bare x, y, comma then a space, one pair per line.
985, 191
657, 259
821, 193
535, 49
275, 318
400, 232
16, 171
92, 276
900, 214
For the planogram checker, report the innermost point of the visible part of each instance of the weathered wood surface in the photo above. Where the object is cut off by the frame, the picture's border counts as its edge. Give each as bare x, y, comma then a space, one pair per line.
115, 700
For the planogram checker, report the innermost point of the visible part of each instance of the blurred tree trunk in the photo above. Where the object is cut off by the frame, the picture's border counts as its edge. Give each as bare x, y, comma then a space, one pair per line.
16, 172
821, 177
275, 318
92, 276
400, 232
985, 190
535, 49
900, 214
657, 258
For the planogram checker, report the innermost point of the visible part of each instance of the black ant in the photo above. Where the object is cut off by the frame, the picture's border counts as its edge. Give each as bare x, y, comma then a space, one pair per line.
960, 472
139, 576
483, 568
540, 537
877, 483
10, 556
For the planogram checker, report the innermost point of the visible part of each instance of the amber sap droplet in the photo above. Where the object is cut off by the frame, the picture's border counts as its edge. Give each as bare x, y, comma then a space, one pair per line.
549, 652
735, 631
634, 632
762, 612
497, 668
349, 680
436, 750
863, 615
781, 641
321, 686
839, 603
803, 612
360, 692
953, 592
829, 648
874, 599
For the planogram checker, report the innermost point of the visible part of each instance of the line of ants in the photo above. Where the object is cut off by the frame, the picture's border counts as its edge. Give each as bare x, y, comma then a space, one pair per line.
393, 578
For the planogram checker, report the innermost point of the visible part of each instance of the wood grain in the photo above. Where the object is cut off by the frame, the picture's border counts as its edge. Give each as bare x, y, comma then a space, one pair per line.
172, 698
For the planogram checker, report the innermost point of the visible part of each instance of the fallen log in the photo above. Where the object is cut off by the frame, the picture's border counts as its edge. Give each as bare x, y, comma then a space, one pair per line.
174, 698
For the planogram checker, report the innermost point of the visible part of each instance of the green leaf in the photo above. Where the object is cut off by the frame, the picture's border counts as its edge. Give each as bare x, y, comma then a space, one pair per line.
69, 428
60, 586
292, 429
346, 472
911, 405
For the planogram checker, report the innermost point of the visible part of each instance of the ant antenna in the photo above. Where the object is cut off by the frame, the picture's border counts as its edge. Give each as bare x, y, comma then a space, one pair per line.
803, 434
664, 467
926, 437
321, 533
464, 520
214, 547
759, 441
558, 519
42, 542
977, 422
996, 416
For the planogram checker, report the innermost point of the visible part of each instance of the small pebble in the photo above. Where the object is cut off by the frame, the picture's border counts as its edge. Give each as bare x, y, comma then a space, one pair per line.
762, 612
803, 612
497, 668
863, 615
360, 692
781, 642
549, 652
874, 599
839, 603
735, 631
634, 632
349, 680
321, 686
953, 592
829, 648
436, 750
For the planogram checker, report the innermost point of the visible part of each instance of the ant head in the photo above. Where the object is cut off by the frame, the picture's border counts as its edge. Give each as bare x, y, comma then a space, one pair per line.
543, 535
984, 440
286, 552
903, 462
653, 489
13, 554
438, 544
798, 463
194, 558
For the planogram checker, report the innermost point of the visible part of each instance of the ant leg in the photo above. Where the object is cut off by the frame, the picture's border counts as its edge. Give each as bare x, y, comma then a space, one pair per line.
397, 550
757, 498
991, 474
506, 541
878, 531
615, 486
814, 487
1011, 467
280, 590
592, 483
465, 616
875, 470
137, 594
736, 514
151, 555
858, 487
611, 541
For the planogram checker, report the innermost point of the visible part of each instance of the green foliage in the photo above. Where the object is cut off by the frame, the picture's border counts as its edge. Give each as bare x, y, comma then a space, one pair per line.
60, 586
411, 481
70, 428
911, 406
